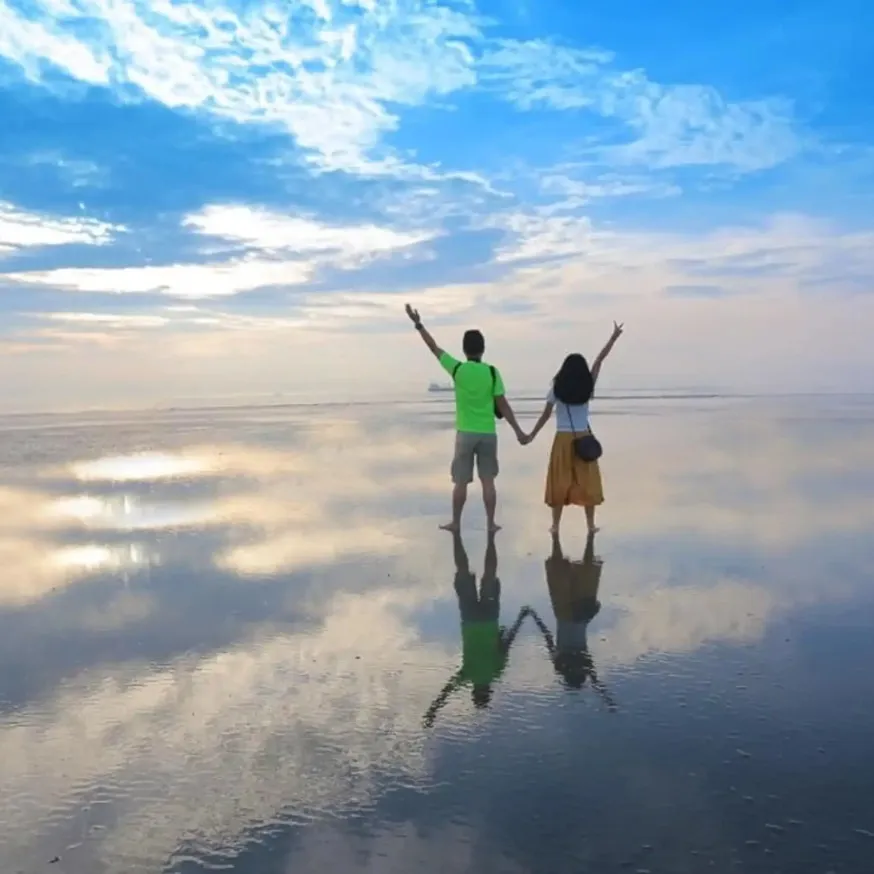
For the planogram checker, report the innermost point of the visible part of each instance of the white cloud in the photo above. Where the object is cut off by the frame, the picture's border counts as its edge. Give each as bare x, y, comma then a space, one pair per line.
284, 251
782, 247
672, 125
273, 232
37, 45
22, 230
575, 192
553, 265
334, 74
693, 125
106, 319
537, 234
329, 78
538, 73
193, 281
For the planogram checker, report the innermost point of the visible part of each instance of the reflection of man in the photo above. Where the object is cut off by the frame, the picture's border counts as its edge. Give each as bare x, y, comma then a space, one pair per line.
573, 591
485, 644
479, 396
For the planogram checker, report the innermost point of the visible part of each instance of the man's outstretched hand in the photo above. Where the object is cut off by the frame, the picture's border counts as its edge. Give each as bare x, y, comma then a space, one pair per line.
413, 315
427, 339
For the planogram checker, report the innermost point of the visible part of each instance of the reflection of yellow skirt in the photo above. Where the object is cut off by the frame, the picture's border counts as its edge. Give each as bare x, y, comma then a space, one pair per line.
570, 480
572, 585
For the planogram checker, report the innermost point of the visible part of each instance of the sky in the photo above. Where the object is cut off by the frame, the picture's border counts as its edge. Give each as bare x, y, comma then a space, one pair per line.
227, 199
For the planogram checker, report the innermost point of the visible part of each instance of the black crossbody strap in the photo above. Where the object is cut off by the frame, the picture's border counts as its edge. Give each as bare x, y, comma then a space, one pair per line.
570, 416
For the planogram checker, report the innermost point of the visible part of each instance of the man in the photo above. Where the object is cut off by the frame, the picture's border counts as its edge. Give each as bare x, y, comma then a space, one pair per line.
479, 393
485, 644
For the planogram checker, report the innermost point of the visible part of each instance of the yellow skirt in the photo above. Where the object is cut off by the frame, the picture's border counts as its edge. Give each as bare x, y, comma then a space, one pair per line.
570, 480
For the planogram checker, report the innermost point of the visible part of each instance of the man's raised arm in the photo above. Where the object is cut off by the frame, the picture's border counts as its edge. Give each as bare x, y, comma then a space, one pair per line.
427, 339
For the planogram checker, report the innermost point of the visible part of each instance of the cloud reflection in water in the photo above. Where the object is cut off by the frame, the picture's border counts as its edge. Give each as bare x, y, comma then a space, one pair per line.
309, 704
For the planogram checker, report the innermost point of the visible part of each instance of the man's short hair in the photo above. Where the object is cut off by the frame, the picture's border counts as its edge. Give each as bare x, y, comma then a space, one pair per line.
473, 344
481, 695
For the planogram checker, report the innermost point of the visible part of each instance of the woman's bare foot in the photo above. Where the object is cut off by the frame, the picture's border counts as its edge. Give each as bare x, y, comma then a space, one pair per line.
454, 527
553, 529
593, 530
494, 527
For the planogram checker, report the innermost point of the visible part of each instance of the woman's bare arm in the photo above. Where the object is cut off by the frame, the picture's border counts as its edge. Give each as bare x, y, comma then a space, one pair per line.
547, 634
544, 418
596, 366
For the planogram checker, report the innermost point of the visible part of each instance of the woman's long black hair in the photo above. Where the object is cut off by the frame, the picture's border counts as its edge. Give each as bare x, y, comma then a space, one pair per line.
573, 384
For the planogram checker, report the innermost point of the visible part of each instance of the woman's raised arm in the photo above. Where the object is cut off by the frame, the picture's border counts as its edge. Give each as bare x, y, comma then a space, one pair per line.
596, 366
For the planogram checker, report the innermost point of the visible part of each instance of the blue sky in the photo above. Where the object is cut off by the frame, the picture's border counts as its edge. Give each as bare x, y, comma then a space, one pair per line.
198, 198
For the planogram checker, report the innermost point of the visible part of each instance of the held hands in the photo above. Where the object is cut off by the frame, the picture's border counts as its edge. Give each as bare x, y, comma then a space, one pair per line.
523, 438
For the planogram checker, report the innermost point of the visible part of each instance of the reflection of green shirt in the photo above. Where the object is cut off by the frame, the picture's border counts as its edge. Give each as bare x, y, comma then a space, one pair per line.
474, 395
483, 657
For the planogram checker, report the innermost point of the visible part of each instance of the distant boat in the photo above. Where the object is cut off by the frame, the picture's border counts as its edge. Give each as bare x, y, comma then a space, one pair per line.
435, 387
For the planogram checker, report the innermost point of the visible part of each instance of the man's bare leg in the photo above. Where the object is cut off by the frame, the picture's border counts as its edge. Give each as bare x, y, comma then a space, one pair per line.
459, 496
490, 499
556, 519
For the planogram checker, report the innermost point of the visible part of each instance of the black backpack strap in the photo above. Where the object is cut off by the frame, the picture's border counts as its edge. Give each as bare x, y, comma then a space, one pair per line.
498, 413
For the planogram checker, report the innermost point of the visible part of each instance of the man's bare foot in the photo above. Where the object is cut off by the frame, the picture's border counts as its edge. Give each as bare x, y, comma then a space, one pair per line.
493, 528
553, 529
594, 530
454, 527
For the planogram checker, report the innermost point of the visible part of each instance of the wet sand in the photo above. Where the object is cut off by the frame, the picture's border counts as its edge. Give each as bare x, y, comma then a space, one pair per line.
222, 631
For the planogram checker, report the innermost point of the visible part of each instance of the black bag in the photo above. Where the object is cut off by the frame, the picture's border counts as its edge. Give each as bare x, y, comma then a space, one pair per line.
498, 413
587, 447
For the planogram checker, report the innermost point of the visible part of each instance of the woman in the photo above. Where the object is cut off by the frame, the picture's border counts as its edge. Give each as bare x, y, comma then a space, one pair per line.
573, 590
570, 480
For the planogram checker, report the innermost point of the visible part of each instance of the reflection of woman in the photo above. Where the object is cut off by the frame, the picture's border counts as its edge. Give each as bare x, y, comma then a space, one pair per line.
573, 590
485, 644
569, 479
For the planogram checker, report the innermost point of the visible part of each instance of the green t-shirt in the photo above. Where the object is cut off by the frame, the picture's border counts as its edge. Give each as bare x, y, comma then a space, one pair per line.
474, 395
483, 657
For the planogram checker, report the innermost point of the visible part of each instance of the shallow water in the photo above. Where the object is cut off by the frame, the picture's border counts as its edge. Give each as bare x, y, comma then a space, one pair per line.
221, 632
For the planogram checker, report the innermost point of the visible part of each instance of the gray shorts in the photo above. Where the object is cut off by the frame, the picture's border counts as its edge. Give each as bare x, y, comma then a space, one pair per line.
483, 448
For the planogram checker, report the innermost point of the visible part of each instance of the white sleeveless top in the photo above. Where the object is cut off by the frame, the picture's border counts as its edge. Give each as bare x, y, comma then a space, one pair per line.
564, 413
572, 635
